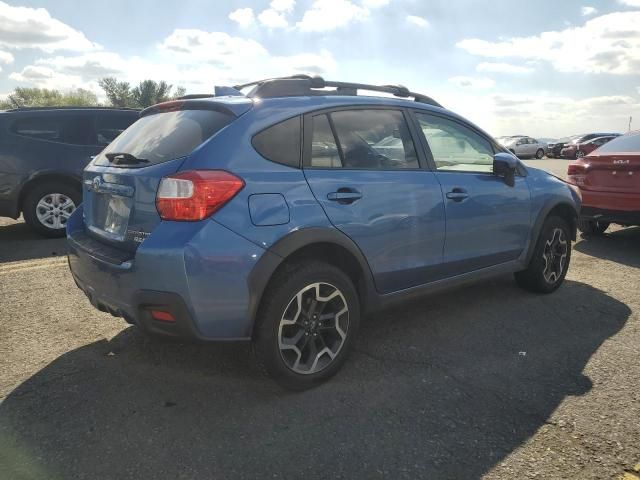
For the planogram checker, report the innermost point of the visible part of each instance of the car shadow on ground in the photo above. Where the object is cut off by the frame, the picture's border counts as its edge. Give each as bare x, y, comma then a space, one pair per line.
19, 242
445, 387
620, 246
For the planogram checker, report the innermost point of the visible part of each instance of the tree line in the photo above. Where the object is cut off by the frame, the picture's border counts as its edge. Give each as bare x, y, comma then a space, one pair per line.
118, 93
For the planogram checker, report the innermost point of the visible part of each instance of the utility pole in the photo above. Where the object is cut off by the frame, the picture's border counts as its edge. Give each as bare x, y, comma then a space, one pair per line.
630, 118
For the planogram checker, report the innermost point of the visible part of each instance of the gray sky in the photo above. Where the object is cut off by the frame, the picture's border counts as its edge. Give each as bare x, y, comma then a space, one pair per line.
545, 68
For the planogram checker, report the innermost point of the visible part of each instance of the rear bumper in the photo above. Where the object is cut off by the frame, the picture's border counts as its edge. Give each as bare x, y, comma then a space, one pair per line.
611, 216
198, 272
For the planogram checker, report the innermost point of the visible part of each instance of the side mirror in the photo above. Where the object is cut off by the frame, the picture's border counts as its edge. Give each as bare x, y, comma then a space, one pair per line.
505, 165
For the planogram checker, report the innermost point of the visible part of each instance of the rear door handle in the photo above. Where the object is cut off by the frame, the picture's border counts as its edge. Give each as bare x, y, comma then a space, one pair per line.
457, 194
344, 196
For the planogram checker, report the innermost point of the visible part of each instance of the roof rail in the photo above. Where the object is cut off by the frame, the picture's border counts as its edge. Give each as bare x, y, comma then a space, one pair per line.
306, 85
69, 107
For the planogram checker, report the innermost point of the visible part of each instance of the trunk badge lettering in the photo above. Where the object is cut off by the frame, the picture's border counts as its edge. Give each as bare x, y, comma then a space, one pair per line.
621, 162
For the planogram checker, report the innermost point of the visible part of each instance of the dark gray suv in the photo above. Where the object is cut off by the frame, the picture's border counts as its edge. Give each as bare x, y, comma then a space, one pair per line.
42, 154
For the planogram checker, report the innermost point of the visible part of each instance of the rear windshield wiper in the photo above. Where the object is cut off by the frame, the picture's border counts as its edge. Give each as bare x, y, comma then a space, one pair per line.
124, 158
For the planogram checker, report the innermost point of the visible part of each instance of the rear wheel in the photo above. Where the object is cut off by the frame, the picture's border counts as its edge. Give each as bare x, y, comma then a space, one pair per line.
539, 153
307, 324
592, 227
550, 260
48, 206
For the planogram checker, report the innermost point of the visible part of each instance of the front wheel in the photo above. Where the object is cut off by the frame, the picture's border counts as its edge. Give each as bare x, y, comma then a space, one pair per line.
307, 324
540, 154
550, 260
579, 154
592, 227
48, 206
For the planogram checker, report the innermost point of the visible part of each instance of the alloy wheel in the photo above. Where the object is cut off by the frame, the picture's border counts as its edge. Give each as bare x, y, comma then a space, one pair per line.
555, 256
579, 154
54, 209
313, 328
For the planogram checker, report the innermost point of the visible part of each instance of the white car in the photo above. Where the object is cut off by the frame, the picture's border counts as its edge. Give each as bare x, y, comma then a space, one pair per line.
524, 146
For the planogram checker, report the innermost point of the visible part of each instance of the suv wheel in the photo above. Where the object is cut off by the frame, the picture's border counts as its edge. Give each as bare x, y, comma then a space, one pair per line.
539, 153
307, 324
592, 227
48, 206
550, 261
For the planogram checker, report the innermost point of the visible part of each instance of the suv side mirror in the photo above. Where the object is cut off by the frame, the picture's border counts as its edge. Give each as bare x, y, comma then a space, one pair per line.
505, 165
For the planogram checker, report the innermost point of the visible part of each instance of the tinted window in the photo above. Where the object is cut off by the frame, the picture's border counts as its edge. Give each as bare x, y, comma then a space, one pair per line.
72, 129
324, 150
373, 139
109, 126
165, 136
626, 144
280, 143
455, 147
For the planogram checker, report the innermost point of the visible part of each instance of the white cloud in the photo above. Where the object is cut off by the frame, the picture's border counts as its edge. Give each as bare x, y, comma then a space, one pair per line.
326, 15
272, 19
630, 3
243, 17
6, 57
418, 21
471, 82
606, 44
586, 11
557, 116
195, 59
497, 67
375, 3
282, 5
24, 27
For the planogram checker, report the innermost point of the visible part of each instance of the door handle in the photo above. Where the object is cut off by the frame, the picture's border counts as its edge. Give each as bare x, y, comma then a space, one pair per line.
457, 194
344, 196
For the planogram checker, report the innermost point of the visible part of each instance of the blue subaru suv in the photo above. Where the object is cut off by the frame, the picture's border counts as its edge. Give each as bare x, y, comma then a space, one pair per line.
285, 214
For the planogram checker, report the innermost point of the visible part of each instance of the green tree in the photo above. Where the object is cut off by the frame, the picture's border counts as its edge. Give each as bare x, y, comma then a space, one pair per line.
145, 94
43, 97
118, 93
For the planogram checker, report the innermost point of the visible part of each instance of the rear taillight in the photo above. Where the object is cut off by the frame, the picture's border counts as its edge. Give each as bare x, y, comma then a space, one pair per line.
577, 173
196, 194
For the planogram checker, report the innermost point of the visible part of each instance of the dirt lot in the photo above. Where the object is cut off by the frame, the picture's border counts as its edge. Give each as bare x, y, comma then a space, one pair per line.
486, 381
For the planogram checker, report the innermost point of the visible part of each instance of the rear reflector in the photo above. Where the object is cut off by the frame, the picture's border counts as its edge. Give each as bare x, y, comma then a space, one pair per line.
161, 316
196, 194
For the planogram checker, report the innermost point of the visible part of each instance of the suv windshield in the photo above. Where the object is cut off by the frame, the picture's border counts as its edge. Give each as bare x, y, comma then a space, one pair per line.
164, 136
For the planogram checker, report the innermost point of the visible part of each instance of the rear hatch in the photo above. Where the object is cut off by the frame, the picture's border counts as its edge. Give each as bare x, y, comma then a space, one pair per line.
120, 184
615, 167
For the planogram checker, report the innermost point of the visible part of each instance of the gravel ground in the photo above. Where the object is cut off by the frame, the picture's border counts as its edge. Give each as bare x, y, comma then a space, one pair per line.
485, 381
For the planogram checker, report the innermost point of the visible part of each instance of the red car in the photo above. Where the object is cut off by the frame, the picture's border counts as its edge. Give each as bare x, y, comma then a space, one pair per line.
609, 180
579, 150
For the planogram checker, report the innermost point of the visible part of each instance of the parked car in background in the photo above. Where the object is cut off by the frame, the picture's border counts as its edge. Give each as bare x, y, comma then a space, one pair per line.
556, 150
525, 147
609, 179
579, 150
42, 154
284, 215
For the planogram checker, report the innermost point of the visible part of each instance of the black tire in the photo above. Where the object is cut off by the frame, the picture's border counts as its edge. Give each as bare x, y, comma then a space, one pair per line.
537, 277
592, 227
30, 207
540, 154
282, 292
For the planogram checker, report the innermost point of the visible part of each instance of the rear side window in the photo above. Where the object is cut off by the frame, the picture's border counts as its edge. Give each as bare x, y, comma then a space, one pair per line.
280, 143
71, 129
624, 144
109, 126
166, 136
368, 139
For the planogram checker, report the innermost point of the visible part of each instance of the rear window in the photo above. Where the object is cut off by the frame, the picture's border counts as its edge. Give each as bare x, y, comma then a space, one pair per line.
109, 126
624, 144
166, 136
280, 143
71, 129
